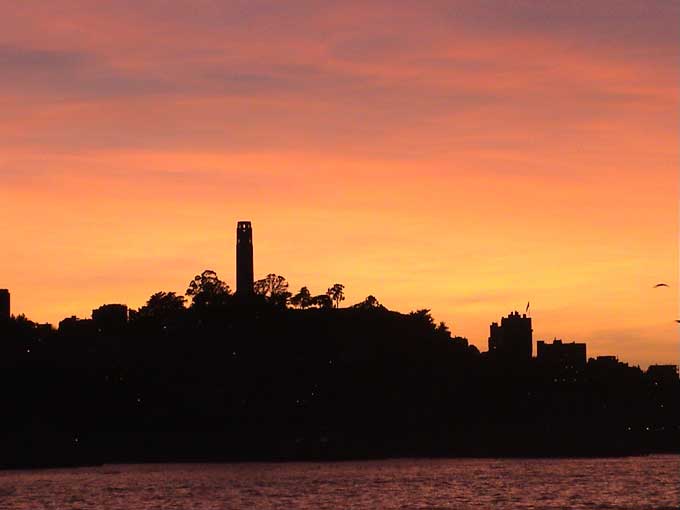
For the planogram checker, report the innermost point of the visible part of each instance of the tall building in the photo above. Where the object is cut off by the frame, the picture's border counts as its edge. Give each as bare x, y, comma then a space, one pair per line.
4, 304
244, 258
513, 339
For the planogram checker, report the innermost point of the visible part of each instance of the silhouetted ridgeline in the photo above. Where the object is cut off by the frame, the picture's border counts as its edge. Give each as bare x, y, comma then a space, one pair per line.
247, 376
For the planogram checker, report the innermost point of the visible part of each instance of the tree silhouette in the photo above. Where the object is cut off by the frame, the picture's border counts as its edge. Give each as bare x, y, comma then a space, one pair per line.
162, 306
23, 322
369, 303
423, 317
207, 290
280, 299
302, 299
336, 293
322, 301
443, 331
274, 288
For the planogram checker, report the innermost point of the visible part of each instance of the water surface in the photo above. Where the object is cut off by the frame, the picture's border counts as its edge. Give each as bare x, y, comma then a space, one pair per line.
644, 483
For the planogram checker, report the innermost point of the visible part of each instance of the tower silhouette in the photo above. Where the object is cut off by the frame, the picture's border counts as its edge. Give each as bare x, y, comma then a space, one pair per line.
244, 258
4, 304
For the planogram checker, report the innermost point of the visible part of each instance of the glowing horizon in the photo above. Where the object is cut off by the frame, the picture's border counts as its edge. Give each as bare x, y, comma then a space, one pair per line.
465, 158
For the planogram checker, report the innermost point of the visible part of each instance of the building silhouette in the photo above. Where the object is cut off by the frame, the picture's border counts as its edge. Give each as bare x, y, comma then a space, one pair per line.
606, 362
4, 304
608, 367
244, 258
562, 356
512, 339
73, 326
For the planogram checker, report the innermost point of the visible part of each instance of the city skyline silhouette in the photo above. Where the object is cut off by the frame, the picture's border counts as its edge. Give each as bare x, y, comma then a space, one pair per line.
263, 372
511, 340
467, 159
244, 278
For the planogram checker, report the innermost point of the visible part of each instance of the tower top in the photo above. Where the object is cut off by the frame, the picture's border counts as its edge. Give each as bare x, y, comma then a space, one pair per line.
243, 225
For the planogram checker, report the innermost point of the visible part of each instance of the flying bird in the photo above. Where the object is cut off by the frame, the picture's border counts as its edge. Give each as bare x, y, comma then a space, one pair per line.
660, 285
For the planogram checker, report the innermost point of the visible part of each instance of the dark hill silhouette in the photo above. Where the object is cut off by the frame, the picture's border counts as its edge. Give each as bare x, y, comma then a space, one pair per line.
248, 377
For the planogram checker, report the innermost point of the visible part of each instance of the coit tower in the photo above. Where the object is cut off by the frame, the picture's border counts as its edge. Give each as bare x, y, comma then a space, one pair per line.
244, 258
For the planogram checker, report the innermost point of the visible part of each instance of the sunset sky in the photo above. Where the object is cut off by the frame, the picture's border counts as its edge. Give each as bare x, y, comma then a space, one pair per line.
462, 156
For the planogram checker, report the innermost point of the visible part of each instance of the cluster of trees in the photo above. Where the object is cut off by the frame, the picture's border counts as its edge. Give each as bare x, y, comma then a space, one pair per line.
332, 298
275, 289
207, 290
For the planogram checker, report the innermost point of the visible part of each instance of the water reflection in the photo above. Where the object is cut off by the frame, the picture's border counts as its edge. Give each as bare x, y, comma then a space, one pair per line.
629, 483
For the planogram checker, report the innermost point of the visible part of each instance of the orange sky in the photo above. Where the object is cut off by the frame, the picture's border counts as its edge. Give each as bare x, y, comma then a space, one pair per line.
461, 156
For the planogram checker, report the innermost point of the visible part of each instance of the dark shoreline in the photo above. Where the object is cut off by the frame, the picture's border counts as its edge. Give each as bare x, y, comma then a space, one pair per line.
315, 460
288, 452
